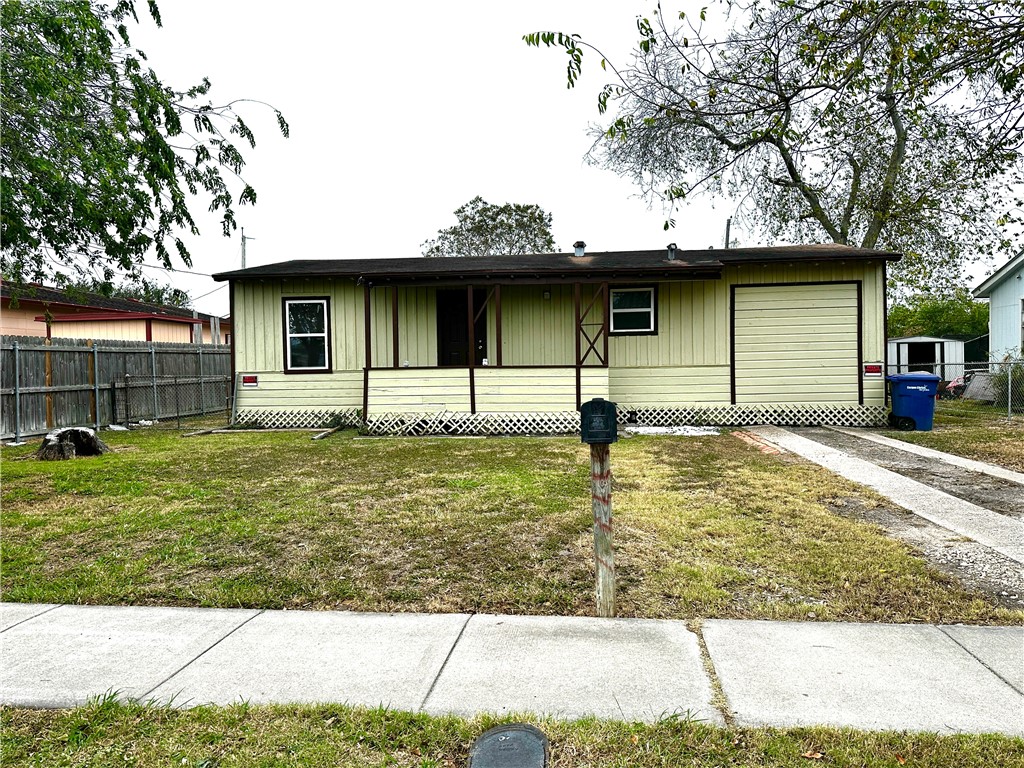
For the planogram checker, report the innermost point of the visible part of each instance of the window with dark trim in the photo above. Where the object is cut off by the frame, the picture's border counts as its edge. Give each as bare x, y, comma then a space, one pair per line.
307, 338
633, 311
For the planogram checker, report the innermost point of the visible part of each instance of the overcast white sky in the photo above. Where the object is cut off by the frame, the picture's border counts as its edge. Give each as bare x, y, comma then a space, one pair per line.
402, 112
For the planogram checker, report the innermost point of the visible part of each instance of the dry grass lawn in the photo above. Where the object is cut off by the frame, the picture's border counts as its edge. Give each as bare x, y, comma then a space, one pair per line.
705, 527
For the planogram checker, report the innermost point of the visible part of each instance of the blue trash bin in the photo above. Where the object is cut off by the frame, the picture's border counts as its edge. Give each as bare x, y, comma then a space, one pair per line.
913, 400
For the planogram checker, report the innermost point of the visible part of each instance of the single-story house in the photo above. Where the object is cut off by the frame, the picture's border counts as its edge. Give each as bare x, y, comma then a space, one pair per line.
1004, 290
47, 312
934, 354
507, 344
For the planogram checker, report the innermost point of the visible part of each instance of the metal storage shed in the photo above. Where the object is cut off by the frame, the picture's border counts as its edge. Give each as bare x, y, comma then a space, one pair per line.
934, 354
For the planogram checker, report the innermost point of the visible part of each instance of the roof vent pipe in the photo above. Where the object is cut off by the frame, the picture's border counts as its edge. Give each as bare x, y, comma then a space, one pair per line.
580, 247
671, 251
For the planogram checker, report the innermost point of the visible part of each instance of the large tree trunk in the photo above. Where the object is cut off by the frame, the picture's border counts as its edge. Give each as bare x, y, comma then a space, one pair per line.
70, 442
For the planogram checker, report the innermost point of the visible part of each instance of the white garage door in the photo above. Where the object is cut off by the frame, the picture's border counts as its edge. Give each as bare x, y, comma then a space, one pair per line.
796, 344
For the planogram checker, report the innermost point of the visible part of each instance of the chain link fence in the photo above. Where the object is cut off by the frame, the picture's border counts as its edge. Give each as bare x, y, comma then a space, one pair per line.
980, 390
171, 402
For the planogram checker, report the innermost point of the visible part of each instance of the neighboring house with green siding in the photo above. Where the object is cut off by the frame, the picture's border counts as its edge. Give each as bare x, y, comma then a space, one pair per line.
514, 344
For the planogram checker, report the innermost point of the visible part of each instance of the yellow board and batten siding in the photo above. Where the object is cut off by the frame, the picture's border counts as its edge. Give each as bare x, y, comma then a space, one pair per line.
796, 344
685, 363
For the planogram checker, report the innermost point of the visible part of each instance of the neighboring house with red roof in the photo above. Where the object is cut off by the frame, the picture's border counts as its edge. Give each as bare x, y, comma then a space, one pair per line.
38, 310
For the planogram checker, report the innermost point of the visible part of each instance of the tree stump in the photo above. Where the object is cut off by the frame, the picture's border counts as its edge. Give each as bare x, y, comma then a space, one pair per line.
69, 442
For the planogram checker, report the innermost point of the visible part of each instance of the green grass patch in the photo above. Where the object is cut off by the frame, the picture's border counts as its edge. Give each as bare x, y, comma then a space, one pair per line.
705, 527
105, 734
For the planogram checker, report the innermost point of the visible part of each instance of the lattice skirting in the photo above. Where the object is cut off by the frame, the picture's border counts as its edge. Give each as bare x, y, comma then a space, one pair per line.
554, 423
802, 415
271, 419
568, 422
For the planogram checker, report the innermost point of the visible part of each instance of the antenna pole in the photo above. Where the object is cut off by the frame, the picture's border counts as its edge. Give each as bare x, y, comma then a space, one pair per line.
728, 226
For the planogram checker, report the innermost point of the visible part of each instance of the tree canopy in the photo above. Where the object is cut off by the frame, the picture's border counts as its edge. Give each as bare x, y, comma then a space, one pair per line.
485, 229
100, 157
873, 123
139, 288
958, 314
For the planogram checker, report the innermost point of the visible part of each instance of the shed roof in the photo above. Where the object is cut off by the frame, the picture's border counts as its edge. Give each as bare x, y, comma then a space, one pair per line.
1002, 274
692, 264
914, 339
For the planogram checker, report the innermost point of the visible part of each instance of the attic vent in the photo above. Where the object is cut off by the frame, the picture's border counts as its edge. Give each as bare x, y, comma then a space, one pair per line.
580, 248
671, 251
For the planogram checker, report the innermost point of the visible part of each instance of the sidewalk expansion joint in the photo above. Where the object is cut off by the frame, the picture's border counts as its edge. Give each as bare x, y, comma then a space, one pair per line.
444, 664
34, 616
979, 660
198, 656
718, 698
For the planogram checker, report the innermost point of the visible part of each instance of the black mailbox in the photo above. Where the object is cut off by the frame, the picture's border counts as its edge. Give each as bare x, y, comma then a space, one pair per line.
598, 422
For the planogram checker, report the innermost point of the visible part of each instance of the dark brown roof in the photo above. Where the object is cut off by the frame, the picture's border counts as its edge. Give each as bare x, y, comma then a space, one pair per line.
607, 264
84, 299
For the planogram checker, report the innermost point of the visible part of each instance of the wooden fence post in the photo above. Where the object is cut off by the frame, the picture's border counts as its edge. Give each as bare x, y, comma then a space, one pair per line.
48, 362
156, 401
17, 394
604, 549
94, 404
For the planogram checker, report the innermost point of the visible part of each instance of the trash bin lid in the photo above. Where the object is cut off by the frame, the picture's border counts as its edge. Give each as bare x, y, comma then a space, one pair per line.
913, 376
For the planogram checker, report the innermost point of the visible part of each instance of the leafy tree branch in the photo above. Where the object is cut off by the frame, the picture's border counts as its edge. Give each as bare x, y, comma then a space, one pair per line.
871, 123
101, 159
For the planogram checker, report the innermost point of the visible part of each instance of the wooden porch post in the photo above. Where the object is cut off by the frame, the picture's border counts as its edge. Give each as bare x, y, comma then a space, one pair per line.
471, 320
497, 324
606, 325
579, 362
394, 325
369, 352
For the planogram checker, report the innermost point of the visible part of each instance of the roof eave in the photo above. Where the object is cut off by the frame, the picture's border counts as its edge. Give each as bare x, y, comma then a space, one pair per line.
984, 291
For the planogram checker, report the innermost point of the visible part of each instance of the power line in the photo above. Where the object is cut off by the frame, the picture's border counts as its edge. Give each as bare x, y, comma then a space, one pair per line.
180, 271
218, 288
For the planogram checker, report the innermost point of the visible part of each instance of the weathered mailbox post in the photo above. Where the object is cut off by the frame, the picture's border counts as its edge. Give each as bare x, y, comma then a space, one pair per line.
599, 429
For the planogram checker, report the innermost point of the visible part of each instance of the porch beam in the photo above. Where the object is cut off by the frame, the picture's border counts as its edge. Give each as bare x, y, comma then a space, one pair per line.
471, 356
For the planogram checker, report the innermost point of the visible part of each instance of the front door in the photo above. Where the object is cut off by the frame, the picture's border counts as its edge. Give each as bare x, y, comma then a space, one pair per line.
453, 327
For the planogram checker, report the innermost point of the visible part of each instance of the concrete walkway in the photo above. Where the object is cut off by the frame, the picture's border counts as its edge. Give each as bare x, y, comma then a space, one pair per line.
998, 532
930, 453
870, 676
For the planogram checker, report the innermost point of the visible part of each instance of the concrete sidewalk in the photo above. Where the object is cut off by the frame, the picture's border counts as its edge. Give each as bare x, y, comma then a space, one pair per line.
869, 676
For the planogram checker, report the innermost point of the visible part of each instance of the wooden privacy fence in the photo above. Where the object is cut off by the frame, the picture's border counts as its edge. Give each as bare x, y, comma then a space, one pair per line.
74, 382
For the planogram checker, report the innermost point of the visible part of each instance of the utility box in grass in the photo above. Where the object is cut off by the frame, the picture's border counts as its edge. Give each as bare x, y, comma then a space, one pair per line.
598, 422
